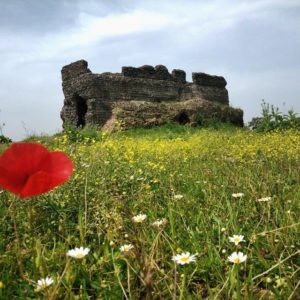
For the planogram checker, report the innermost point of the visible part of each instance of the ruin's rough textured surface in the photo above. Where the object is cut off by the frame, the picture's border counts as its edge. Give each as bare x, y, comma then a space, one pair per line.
144, 96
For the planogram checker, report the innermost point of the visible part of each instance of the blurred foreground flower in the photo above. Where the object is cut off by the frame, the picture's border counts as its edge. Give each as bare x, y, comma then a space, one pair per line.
178, 197
139, 218
184, 258
159, 223
236, 239
43, 283
28, 169
78, 252
280, 282
265, 199
126, 248
237, 258
238, 195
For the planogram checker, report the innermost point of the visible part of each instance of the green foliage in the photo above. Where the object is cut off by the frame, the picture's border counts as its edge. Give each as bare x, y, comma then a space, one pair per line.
88, 134
272, 119
166, 131
214, 122
4, 139
220, 116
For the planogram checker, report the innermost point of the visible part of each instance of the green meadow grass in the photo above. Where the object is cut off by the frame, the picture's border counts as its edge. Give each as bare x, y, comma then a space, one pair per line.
120, 175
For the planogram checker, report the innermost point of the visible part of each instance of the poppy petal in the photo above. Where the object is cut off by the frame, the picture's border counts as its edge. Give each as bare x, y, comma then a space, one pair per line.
10, 182
29, 169
23, 158
58, 164
39, 183
55, 169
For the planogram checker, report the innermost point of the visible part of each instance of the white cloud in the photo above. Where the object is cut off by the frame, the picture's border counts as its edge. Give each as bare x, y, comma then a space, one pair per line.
192, 22
88, 30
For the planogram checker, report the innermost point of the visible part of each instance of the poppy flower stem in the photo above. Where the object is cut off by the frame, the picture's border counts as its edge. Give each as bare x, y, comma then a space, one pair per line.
235, 282
31, 216
182, 286
17, 237
175, 283
59, 280
85, 206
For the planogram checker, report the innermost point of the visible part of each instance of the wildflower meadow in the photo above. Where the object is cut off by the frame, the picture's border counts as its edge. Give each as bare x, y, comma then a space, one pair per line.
167, 213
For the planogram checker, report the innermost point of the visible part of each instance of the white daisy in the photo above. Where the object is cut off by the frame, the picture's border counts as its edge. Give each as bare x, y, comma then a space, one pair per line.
126, 248
139, 218
237, 258
280, 282
265, 199
159, 223
78, 252
236, 239
238, 195
184, 258
178, 197
43, 283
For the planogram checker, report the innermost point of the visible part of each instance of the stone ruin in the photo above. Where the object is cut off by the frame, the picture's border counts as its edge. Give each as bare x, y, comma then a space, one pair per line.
143, 97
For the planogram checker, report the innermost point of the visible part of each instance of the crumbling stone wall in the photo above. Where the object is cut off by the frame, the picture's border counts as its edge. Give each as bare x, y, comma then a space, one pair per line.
102, 99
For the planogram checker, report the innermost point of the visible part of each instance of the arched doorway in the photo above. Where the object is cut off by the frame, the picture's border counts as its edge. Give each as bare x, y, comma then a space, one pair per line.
182, 118
81, 109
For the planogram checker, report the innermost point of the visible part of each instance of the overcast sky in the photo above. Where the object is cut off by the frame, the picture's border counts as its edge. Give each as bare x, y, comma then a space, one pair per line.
255, 45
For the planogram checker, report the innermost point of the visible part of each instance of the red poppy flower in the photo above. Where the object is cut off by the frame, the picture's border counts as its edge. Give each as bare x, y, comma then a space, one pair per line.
29, 169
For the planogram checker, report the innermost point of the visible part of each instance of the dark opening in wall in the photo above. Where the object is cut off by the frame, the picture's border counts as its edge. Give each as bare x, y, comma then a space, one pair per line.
182, 118
81, 109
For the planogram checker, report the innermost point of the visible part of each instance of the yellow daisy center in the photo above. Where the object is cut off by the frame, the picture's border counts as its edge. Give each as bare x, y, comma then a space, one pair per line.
185, 259
237, 260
